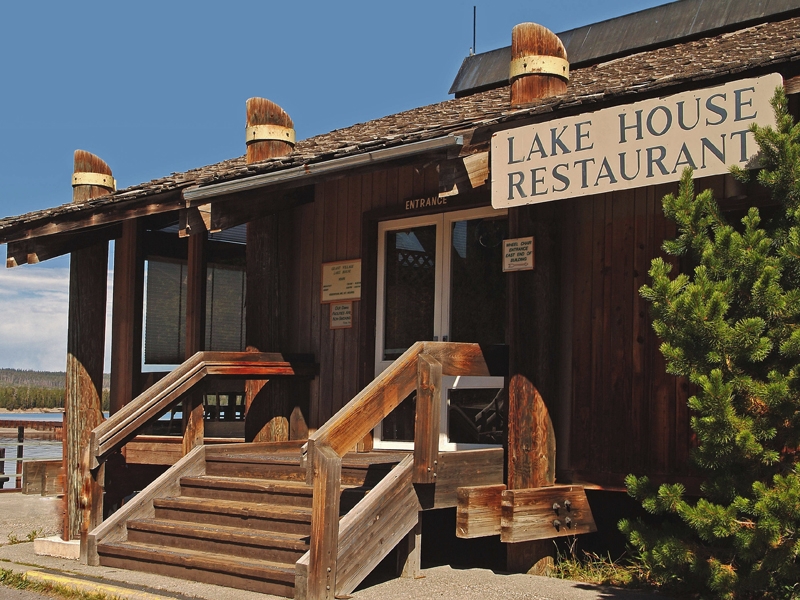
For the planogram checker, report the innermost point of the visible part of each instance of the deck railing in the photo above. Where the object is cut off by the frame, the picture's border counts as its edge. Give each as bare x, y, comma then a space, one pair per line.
421, 367
116, 431
121, 427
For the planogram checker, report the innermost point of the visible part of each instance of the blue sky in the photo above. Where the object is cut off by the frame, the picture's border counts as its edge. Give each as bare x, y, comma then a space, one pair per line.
160, 87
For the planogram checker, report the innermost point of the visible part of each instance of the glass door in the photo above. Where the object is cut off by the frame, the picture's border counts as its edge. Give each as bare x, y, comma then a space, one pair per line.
440, 278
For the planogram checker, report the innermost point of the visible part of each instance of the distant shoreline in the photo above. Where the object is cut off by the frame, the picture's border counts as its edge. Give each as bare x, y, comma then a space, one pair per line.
22, 411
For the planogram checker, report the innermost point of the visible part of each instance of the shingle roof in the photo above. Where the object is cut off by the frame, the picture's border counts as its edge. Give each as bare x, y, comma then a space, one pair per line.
763, 47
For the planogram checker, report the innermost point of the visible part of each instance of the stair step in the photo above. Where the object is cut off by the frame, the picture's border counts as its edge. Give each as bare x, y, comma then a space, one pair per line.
294, 493
220, 540
255, 575
232, 513
277, 467
358, 468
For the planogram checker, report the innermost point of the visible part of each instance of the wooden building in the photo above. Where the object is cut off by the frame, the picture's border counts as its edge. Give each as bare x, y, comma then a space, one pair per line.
439, 307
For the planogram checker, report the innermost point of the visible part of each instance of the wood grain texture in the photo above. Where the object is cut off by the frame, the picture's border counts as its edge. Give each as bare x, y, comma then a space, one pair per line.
532, 39
478, 467
85, 349
375, 526
126, 320
426, 425
44, 248
261, 111
269, 245
544, 513
327, 474
125, 424
479, 510
531, 439
409, 553
620, 388
114, 529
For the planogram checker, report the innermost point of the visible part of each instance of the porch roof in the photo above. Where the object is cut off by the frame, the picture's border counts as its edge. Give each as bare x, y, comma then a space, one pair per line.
756, 49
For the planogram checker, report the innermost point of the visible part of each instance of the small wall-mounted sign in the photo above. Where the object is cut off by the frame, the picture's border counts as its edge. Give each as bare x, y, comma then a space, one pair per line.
518, 254
341, 315
420, 203
341, 281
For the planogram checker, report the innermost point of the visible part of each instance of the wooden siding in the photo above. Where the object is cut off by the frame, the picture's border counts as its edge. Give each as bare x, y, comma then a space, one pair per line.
327, 230
615, 409
627, 414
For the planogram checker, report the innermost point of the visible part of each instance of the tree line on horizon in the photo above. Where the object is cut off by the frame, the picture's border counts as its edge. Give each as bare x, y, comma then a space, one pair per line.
25, 389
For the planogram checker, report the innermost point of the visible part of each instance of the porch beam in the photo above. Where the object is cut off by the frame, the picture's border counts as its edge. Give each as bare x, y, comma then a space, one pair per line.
86, 324
195, 337
103, 214
127, 311
226, 212
38, 250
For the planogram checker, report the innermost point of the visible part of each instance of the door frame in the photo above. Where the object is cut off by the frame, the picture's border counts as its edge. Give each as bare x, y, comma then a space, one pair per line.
443, 222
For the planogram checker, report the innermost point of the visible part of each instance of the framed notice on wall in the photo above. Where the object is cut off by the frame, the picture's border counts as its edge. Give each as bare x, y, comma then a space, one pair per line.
341, 281
518, 254
341, 315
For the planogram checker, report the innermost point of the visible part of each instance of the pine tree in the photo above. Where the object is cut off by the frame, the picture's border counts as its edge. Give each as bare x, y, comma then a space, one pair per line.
732, 326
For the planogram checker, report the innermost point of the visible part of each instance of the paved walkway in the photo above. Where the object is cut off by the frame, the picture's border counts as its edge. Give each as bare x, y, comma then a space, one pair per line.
21, 514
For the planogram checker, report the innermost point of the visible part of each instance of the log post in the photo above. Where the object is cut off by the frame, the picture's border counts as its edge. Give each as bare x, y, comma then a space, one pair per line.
83, 494
195, 336
20, 450
126, 319
426, 425
539, 67
533, 314
269, 405
326, 468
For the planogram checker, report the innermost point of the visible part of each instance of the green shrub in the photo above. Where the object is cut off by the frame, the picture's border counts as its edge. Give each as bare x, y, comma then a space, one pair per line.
732, 326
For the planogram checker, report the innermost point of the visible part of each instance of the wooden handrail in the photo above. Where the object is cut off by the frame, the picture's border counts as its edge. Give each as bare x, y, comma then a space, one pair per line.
420, 367
363, 413
121, 427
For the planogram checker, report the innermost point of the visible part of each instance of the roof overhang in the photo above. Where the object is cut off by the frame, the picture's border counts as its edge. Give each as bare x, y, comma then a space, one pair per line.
304, 174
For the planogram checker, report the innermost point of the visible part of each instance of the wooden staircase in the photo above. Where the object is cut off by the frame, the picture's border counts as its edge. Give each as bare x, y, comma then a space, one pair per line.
289, 518
242, 524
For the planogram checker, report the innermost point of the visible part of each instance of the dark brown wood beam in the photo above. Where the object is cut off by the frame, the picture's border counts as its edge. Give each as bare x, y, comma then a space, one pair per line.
103, 214
86, 325
126, 321
195, 336
44, 248
229, 211
269, 407
534, 304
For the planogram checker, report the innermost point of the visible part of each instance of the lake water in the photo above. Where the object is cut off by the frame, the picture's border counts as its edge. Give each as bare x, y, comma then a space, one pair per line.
33, 449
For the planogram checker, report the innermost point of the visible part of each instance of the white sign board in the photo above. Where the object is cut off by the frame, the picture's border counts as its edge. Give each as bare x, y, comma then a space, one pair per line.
518, 254
341, 281
635, 145
341, 315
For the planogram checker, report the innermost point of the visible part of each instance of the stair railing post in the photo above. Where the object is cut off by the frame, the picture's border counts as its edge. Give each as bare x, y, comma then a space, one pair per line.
426, 425
326, 468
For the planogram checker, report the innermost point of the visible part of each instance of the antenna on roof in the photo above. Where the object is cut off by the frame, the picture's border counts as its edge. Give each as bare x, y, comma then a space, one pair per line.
474, 48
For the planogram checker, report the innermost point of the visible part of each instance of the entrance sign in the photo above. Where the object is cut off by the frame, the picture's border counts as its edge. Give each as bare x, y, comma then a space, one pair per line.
518, 254
341, 315
640, 144
341, 281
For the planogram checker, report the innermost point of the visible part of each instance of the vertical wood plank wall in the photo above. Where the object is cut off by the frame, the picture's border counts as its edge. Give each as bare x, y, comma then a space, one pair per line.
628, 414
327, 230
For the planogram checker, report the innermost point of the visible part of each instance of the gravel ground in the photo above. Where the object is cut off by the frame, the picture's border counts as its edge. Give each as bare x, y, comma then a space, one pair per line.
20, 515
